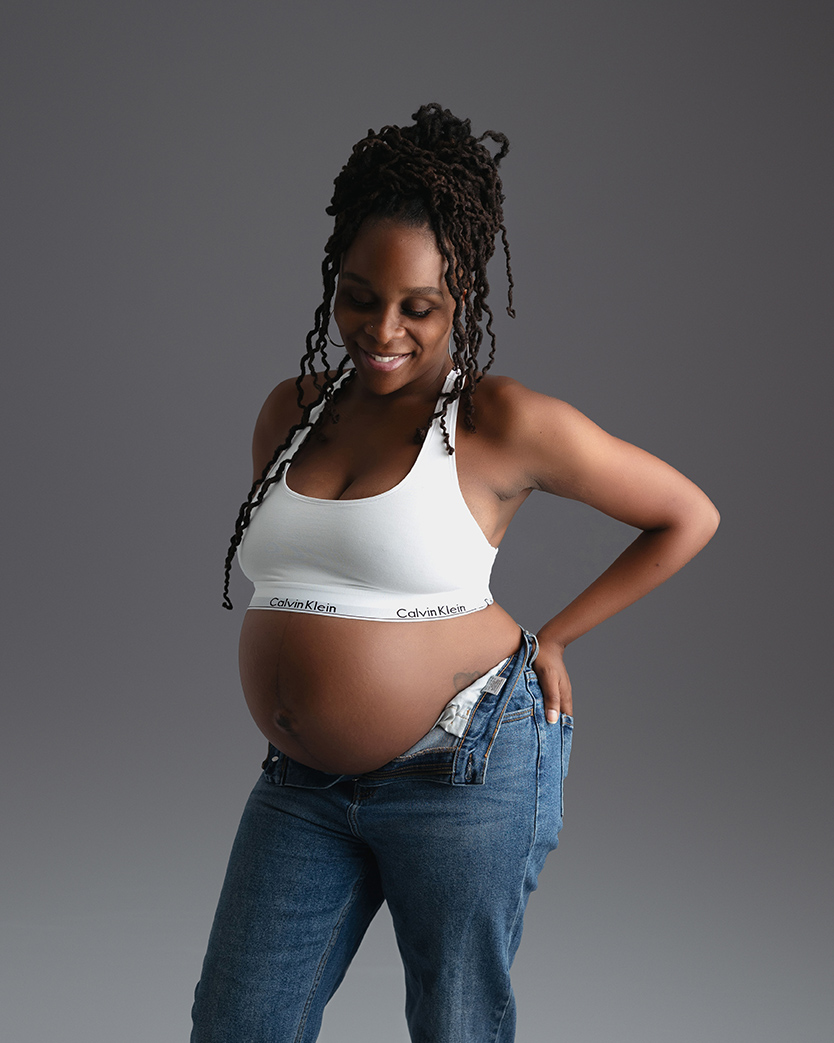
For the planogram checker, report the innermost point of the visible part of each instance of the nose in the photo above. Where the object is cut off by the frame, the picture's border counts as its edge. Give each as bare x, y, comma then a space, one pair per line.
385, 326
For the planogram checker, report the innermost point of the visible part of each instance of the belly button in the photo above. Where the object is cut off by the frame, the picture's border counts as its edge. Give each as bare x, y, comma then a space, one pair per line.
285, 722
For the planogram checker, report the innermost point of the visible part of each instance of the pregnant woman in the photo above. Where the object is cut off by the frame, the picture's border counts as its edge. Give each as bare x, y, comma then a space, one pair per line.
418, 737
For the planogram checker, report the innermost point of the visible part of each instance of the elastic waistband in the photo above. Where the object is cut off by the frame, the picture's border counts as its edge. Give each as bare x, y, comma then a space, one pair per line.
370, 604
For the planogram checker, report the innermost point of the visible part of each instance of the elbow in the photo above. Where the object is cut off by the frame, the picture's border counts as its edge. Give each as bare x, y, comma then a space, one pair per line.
696, 523
712, 513
708, 521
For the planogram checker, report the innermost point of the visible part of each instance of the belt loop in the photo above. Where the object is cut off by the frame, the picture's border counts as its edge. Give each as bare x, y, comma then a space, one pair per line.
532, 647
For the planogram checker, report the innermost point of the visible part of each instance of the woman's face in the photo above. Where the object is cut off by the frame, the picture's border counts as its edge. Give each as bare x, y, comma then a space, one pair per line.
393, 308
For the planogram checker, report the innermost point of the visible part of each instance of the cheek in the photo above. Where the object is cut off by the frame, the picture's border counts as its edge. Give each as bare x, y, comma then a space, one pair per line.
433, 336
345, 318
446, 332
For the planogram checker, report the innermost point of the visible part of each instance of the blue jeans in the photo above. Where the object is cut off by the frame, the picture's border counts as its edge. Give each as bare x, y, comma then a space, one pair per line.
452, 835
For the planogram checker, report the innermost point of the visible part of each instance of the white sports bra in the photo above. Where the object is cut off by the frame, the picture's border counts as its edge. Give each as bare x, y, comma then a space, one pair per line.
411, 553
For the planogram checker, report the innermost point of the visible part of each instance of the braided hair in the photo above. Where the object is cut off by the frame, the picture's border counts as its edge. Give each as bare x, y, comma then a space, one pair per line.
436, 174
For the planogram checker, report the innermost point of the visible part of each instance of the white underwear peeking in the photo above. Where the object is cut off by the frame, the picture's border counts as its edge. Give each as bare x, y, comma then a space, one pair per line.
455, 715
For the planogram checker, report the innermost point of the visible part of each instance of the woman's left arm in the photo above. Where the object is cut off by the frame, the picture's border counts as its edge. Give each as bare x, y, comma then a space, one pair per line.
567, 454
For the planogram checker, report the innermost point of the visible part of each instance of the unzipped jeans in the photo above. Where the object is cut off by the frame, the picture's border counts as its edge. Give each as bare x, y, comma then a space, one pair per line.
452, 835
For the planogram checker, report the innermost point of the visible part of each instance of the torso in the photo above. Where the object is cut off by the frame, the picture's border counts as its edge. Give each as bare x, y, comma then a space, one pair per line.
347, 695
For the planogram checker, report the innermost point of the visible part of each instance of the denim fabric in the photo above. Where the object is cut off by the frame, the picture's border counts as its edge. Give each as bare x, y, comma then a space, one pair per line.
452, 834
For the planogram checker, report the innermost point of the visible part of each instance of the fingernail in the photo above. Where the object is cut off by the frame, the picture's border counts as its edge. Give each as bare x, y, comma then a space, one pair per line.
552, 716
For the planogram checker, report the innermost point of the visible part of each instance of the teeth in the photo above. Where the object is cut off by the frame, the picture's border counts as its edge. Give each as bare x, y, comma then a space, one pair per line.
384, 358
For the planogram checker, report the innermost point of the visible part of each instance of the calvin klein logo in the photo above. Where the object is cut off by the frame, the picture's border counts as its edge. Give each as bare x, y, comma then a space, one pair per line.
293, 604
442, 611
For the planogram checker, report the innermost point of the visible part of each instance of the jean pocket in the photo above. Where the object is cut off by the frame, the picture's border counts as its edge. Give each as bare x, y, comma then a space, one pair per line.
567, 741
522, 702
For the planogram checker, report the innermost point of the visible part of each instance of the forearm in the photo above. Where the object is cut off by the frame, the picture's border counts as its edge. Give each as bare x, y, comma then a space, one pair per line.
651, 559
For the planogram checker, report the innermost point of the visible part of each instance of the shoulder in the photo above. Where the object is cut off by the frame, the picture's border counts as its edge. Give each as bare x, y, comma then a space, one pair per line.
511, 395
508, 411
551, 446
282, 410
549, 439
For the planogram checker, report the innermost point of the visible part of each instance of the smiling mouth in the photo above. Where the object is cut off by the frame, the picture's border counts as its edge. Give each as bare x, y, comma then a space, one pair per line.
385, 363
385, 358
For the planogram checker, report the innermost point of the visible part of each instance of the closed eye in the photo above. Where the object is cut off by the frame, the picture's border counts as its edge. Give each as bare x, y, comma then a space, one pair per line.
364, 305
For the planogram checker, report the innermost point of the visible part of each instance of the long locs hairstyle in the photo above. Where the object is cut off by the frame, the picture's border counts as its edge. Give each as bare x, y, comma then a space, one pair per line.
432, 173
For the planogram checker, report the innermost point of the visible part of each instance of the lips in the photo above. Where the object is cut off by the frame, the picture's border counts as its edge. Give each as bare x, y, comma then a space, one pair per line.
384, 363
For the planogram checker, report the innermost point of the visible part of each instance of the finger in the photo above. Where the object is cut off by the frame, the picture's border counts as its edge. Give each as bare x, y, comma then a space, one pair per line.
566, 702
552, 707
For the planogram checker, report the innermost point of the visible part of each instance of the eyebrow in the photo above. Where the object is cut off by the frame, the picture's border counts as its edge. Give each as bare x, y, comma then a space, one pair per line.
414, 291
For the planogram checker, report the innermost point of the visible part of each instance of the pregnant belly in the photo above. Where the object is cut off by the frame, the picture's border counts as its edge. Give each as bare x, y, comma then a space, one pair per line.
346, 695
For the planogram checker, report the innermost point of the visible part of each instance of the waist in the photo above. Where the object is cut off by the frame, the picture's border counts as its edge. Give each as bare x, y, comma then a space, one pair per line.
354, 602
457, 754
348, 695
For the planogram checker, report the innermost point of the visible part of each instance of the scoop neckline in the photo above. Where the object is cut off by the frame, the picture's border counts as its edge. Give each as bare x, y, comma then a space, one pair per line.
447, 383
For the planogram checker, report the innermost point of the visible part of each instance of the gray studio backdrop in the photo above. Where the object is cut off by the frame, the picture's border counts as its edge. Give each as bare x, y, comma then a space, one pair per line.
166, 167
